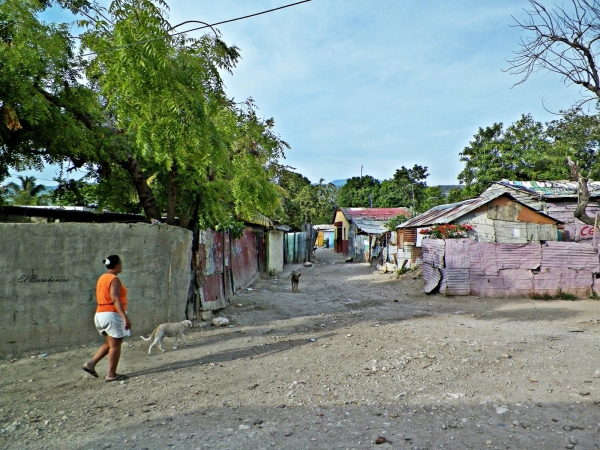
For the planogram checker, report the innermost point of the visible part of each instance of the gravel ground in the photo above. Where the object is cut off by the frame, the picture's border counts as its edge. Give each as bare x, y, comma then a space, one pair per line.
355, 360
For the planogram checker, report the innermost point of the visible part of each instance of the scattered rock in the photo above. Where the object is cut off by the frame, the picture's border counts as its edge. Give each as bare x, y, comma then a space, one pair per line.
381, 440
206, 316
220, 321
13, 426
307, 264
501, 410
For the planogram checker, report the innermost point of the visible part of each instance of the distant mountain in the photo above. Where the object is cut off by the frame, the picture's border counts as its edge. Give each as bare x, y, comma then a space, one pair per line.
339, 183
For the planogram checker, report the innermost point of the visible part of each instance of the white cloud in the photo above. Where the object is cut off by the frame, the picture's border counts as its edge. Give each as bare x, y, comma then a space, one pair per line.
379, 83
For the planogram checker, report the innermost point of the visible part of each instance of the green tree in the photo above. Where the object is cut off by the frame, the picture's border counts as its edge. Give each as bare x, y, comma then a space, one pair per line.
395, 221
25, 193
317, 202
522, 151
390, 196
432, 196
576, 138
455, 195
291, 184
304, 202
564, 41
208, 158
359, 192
46, 114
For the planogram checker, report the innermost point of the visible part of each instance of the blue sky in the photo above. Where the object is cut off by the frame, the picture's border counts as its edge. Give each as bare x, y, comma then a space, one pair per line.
378, 83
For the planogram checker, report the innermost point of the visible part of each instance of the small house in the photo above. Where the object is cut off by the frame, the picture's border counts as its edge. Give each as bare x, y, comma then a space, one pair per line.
557, 199
325, 235
357, 230
496, 217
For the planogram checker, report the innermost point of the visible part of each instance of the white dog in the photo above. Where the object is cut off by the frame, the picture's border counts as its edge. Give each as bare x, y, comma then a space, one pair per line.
168, 329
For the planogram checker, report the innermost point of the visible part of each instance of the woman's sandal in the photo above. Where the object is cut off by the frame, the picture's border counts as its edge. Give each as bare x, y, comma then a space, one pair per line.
117, 378
90, 371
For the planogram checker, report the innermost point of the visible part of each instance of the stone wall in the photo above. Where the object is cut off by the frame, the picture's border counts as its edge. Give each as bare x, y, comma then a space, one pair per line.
48, 274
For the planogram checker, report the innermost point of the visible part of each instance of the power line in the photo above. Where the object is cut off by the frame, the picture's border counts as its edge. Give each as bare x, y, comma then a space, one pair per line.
243, 17
200, 28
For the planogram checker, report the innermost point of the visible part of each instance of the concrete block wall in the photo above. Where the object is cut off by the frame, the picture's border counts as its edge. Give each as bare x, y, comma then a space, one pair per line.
275, 251
48, 274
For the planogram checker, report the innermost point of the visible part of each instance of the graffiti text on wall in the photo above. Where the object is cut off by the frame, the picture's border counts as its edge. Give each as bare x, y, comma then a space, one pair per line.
34, 278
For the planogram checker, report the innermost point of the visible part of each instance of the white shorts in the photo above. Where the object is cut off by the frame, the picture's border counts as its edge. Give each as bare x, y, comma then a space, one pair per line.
112, 324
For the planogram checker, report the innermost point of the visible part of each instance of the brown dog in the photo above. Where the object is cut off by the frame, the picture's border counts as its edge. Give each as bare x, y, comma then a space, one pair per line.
295, 280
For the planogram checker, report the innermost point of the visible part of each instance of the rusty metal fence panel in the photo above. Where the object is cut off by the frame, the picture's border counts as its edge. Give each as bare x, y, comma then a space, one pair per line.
211, 254
244, 259
226, 265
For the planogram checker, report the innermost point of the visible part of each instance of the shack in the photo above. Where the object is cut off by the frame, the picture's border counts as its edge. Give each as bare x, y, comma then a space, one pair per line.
557, 199
357, 230
325, 235
496, 217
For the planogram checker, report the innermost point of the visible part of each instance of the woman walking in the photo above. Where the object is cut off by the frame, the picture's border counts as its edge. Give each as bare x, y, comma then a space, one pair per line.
111, 319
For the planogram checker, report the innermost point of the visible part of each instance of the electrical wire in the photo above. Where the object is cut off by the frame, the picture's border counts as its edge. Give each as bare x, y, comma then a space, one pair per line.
199, 28
243, 17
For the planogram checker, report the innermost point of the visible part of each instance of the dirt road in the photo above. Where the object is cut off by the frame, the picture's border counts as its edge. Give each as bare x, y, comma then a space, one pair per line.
354, 356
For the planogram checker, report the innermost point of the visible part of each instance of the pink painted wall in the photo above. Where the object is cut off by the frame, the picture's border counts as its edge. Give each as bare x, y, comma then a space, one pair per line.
463, 267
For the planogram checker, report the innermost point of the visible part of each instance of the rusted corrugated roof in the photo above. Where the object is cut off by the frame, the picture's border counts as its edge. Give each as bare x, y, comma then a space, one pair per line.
443, 214
373, 213
551, 189
447, 213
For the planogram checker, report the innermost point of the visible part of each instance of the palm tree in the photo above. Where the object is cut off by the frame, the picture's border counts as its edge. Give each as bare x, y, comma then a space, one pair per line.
25, 194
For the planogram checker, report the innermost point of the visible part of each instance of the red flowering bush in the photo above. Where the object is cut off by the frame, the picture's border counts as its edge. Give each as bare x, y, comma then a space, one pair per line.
447, 231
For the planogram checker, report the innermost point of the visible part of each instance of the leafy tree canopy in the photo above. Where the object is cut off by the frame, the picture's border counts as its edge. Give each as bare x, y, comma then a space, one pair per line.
522, 151
142, 109
305, 202
358, 192
28, 192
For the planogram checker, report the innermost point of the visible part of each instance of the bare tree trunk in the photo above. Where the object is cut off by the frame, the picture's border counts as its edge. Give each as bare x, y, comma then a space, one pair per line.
584, 193
147, 200
172, 200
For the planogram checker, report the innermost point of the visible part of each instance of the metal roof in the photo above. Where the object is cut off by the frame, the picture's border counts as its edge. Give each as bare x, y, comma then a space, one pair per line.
324, 227
373, 213
449, 213
71, 213
370, 226
551, 189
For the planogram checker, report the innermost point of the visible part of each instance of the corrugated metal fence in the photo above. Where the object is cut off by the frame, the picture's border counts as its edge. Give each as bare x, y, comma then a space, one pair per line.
298, 247
226, 265
463, 267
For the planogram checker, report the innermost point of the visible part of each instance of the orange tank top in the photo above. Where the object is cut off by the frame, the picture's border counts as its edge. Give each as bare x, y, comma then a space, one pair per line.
105, 303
